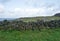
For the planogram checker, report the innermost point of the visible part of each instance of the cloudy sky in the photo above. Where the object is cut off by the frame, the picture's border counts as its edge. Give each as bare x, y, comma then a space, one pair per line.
28, 8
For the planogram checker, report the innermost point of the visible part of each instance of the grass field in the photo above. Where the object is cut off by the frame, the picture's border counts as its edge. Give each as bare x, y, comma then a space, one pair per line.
43, 35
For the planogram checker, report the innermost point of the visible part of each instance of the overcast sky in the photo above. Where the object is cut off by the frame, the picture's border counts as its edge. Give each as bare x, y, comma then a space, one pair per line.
28, 8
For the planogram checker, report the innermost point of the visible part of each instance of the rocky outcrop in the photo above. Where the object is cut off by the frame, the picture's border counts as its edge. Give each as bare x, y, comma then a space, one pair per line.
57, 14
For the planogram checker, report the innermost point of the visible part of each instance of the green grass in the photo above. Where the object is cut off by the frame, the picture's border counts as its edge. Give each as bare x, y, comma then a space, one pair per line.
27, 19
43, 35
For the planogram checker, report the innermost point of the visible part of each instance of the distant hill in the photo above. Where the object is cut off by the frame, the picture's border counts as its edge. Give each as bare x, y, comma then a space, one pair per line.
1, 19
57, 14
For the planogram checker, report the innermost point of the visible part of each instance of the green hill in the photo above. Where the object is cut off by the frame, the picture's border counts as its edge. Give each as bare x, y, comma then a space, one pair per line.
27, 19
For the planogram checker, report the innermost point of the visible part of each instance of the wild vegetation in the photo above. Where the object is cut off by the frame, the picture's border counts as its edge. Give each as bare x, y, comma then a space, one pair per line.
31, 29
21, 25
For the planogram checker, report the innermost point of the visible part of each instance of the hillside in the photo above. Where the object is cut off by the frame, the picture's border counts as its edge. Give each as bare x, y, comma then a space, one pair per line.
27, 19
